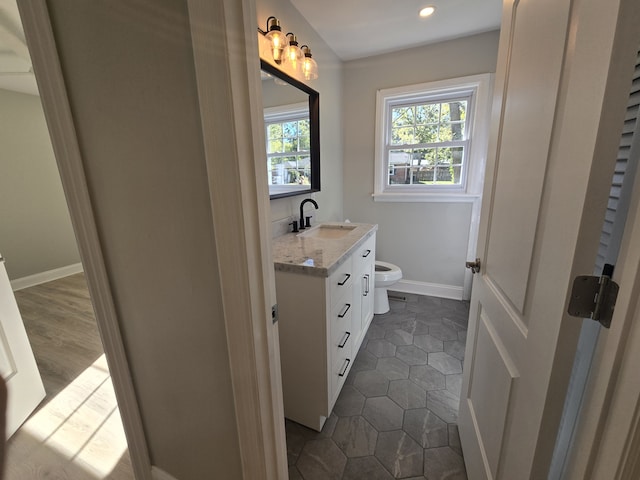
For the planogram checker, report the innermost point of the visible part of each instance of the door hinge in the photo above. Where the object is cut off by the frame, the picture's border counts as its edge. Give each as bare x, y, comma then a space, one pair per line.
274, 313
594, 297
474, 266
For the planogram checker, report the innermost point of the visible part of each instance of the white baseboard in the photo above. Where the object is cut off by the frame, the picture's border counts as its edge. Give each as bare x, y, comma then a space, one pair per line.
431, 289
48, 276
159, 474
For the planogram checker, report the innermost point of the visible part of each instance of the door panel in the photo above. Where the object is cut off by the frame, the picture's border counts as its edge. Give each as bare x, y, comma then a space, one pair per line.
556, 122
17, 364
528, 112
493, 379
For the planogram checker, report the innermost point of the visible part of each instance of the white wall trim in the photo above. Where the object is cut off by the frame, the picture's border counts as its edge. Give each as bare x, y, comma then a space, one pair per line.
53, 93
159, 474
233, 128
431, 289
431, 197
44, 277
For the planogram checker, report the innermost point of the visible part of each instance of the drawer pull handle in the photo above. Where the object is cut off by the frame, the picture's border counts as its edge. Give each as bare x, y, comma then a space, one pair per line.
366, 254
348, 276
345, 340
366, 288
344, 370
346, 309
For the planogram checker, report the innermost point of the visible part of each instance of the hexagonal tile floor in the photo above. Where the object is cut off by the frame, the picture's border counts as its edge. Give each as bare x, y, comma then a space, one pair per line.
397, 412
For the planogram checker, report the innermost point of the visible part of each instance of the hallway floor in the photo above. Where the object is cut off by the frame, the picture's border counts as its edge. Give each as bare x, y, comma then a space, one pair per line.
397, 412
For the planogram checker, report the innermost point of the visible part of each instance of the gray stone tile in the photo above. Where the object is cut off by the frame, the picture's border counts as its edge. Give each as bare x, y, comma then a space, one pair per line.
407, 394
427, 317
411, 355
297, 435
419, 327
451, 322
365, 468
371, 383
365, 360
375, 332
355, 436
454, 384
444, 404
455, 348
350, 402
393, 368
383, 413
328, 427
401, 320
426, 428
400, 454
443, 332
321, 460
381, 348
454, 439
443, 462
445, 363
399, 337
462, 336
427, 377
428, 343
294, 473
295, 441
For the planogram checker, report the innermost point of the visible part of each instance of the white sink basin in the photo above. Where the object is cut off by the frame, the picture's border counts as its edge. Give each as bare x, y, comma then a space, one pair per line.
328, 231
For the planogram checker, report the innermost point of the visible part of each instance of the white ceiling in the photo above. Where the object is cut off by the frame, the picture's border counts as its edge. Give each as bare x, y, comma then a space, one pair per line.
352, 28
15, 63
361, 28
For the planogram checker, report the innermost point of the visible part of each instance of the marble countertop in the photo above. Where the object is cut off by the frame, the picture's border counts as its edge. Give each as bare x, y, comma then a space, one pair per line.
310, 255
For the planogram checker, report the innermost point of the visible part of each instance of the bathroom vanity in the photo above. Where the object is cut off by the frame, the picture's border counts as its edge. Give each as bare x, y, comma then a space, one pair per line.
324, 286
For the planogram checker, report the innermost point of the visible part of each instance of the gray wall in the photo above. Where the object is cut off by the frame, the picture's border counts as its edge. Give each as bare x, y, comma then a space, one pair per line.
130, 72
35, 229
428, 241
329, 85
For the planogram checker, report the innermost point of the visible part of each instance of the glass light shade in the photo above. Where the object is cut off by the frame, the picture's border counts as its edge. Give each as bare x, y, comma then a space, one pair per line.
309, 65
276, 38
292, 54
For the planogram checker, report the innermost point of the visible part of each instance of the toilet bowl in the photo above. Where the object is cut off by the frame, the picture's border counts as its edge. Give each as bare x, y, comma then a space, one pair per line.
386, 275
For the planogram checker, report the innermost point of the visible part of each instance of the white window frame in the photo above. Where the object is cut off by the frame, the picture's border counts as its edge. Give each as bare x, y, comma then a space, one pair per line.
281, 114
478, 88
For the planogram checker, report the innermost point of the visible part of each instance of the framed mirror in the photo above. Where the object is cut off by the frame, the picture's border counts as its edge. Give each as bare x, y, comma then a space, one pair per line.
292, 132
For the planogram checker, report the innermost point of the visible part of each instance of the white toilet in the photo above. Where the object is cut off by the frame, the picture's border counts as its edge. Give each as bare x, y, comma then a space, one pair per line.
386, 275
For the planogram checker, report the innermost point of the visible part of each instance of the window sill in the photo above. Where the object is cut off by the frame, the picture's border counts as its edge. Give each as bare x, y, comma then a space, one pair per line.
412, 197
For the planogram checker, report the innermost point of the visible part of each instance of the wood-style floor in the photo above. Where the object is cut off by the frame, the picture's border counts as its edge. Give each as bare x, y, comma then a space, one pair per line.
76, 433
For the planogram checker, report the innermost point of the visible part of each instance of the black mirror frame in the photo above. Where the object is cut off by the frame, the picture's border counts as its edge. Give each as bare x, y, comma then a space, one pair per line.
314, 128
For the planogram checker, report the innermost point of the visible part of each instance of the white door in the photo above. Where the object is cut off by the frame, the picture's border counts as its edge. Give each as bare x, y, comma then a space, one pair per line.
560, 96
17, 364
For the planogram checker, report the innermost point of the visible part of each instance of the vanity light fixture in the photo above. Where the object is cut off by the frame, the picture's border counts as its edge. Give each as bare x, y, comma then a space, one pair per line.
309, 65
427, 11
285, 50
275, 36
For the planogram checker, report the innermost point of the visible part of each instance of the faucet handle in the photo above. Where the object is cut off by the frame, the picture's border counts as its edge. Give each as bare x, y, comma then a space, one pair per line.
307, 222
294, 224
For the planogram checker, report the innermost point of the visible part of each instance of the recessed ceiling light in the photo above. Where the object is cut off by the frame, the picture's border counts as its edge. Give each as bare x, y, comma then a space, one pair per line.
427, 11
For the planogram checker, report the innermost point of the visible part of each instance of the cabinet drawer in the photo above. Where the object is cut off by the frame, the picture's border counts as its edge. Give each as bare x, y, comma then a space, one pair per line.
340, 281
365, 254
341, 321
339, 373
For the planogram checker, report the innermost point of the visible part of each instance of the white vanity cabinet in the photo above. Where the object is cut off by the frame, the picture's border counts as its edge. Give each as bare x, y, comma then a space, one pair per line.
322, 321
364, 271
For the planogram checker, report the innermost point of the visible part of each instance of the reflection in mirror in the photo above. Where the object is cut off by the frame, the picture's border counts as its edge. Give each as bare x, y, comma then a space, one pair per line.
292, 134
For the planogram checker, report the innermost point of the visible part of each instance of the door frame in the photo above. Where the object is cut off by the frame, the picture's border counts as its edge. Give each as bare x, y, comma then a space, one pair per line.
252, 339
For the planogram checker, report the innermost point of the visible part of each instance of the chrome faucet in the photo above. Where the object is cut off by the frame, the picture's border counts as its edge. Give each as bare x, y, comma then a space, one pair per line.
305, 224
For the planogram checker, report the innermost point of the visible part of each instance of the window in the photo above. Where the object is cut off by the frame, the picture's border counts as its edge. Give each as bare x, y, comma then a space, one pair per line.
288, 140
429, 141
